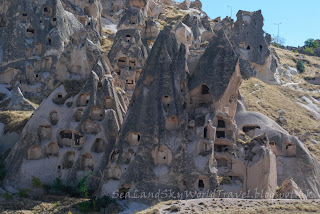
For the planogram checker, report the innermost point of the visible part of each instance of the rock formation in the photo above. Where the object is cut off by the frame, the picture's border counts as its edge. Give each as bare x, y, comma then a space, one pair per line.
135, 37
18, 102
180, 132
51, 39
67, 136
293, 158
253, 46
186, 127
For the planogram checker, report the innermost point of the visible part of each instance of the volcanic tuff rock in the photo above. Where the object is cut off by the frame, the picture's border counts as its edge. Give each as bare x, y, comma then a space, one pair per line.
187, 127
67, 136
180, 131
253, 46
51, 40
18, 102
294, 160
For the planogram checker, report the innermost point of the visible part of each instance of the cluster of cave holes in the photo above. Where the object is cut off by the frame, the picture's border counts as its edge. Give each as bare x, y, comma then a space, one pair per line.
71, 139
47, 12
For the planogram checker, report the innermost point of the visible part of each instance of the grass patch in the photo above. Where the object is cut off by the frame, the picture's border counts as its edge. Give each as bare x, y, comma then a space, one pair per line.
311, 63
107, 40
174, 14
14, 120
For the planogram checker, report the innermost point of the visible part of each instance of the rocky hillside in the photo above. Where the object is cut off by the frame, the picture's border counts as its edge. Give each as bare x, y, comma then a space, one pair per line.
295, 96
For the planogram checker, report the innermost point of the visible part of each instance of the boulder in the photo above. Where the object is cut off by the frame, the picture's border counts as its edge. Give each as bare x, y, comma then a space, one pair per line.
290, 190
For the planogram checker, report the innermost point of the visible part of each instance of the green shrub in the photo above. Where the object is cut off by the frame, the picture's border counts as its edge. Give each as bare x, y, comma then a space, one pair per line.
96, 204
104, 202
311, 43
46, 188
300, 66
58, 186
7, 196
276, 45
23, 193
36, 183
82, 185
85, 206
308, 50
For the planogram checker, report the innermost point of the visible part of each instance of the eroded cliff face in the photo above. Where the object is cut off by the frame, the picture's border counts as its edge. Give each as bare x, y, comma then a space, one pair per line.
186, 128
42, 43
180, 133
68, 136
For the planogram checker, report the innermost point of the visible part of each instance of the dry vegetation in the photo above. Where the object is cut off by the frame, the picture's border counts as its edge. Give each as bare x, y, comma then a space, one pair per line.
235, 206
173, 14
268, 99
312, 63
14, 120
47, 204
107, 40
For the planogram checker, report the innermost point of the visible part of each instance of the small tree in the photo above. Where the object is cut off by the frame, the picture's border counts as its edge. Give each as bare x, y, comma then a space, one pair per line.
300, 66
36, 183
311, 43
279, 40
82, 185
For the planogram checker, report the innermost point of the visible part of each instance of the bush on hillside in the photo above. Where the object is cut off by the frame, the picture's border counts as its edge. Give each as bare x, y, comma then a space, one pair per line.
300, 66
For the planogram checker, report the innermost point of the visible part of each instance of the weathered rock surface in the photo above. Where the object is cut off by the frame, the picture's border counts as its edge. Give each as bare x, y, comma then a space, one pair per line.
290, 190
68, 136
51, 41
294, 160
18, 102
